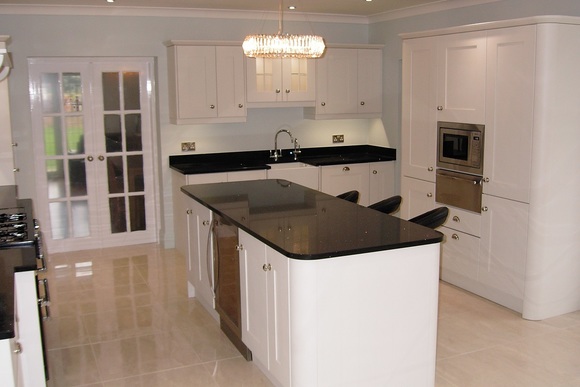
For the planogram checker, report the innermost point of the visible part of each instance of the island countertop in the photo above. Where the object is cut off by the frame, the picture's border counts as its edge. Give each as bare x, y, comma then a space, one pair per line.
302, 223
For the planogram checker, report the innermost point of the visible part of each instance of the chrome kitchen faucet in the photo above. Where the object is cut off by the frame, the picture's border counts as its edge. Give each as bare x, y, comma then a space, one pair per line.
278, 152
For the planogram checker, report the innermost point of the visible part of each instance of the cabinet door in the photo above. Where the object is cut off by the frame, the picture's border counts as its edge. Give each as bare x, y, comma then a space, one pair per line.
278, 316
504, 241
298, 80
254, 297
200, 262
336, 82
370, 81
419, 118
459, 258
337, 179
382, 181
195, 81
461, 77
510, 102
231, 81
418, 197
280, 80
179, 213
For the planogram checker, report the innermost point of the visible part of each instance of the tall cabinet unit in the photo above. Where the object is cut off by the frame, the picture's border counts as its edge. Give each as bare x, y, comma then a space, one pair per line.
521, 250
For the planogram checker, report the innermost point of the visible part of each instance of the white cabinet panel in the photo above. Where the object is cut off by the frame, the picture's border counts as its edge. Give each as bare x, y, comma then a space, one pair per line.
504, 241
337, 179
206, 83
419, 114
271, 81
509, 117
265, 306
348, 84
418, 197
460, 259
461, 77
382, 181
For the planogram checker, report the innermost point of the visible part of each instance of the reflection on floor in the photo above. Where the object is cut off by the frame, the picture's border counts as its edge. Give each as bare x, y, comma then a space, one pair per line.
121, 317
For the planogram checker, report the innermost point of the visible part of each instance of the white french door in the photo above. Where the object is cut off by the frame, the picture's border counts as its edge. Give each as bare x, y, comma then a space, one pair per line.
93, 146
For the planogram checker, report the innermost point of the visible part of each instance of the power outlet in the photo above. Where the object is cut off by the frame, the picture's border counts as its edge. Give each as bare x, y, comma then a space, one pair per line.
337, 138
187, 146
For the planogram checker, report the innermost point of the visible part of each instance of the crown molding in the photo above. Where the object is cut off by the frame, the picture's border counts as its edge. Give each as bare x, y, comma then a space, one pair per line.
79, 10
438, 6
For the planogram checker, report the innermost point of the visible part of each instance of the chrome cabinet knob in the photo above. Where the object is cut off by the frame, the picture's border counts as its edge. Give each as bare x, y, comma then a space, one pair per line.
323, 103
362, 103
439, 108
212, 106
239, 247
205, 222
346, 169
15, 169
90, 158
486, 179
484, 209
101, 157
240, 106
456, 219
278, 91
267, 267
430, 169
189, 212
430, 195
17, 348
375, 172
287, 91
455, 236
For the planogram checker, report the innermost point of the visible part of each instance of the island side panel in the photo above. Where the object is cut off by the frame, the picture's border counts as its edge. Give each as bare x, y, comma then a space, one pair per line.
368, 319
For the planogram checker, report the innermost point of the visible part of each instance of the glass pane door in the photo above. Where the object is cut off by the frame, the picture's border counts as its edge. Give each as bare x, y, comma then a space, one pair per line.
92, 132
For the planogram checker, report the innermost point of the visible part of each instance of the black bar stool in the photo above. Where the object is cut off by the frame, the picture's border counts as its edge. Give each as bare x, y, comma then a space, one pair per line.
433, 218
351, 196
387, 206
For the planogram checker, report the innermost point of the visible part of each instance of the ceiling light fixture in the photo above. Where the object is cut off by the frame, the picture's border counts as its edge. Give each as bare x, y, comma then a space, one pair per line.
283, 45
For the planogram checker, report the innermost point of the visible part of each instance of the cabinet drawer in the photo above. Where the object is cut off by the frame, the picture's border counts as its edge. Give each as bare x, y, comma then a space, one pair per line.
459, 258
464, 221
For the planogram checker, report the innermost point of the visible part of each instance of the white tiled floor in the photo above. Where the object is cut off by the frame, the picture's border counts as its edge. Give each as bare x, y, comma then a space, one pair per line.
121, 317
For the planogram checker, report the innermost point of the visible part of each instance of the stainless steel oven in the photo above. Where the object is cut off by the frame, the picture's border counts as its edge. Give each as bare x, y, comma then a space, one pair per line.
459, 190
460, 147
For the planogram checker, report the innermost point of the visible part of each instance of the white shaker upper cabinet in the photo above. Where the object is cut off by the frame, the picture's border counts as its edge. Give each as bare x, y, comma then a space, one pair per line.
461, 66
206, 83
289, 81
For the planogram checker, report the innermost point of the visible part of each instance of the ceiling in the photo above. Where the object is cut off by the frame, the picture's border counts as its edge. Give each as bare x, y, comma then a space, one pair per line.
337, 7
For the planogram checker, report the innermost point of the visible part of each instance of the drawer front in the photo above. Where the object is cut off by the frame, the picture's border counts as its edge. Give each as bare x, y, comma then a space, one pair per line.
459, 258
464, 221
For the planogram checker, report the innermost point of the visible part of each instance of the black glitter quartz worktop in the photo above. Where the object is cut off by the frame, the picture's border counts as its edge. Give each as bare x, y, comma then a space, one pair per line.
253, 160
302, 223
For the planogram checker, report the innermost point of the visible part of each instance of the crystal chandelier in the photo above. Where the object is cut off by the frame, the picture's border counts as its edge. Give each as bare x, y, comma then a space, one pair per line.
283, 45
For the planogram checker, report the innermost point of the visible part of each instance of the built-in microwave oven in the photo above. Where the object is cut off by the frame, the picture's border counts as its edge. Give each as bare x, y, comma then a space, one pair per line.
460, 147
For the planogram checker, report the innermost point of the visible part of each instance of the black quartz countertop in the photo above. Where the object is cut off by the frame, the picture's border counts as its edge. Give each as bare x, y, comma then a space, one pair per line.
251, 160
302, 223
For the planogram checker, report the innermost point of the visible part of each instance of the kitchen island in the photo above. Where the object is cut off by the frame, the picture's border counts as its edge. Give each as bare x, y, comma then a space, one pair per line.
332, 293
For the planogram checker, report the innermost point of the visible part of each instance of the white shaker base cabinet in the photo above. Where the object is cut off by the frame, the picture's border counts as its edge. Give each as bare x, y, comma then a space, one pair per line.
360, 320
